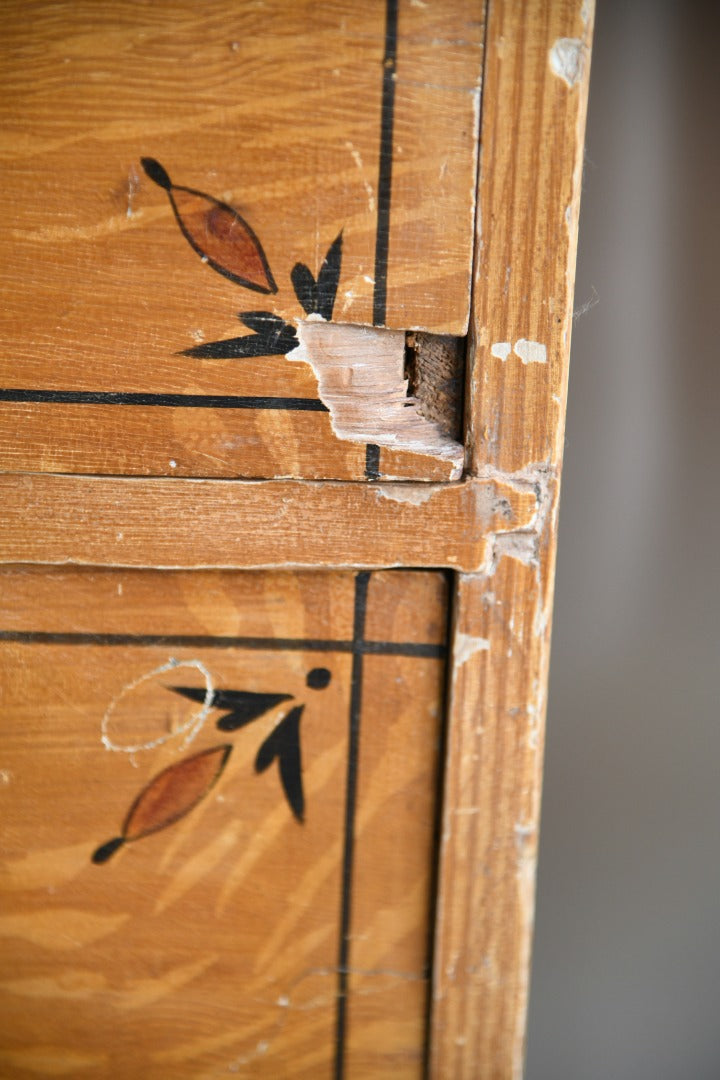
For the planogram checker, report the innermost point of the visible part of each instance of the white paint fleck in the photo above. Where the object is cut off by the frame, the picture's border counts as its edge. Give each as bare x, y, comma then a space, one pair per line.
501, 349
369, 190
523, 831
132, 186
416, 494
517, 545
585, 12
530, 352
173, 463
567, 59
466, 646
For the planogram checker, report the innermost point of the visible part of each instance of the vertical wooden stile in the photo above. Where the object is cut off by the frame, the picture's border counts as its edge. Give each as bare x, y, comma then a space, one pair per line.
534, 105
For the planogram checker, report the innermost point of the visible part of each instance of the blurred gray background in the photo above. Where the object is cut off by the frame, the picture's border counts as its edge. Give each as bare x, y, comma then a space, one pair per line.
626, 974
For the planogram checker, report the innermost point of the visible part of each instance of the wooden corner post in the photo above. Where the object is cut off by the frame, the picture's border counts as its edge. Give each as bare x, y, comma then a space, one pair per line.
533, 116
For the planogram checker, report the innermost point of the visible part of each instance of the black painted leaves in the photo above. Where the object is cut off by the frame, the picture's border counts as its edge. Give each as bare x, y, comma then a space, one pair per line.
318, 297
173, 793
243, 706
283, 743
228, 244
272, 336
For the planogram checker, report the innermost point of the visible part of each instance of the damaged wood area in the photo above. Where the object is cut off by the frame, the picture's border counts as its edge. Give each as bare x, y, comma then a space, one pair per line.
388, 388
435, 368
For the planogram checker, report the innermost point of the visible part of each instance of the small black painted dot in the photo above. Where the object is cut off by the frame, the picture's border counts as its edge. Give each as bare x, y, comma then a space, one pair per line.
318, 678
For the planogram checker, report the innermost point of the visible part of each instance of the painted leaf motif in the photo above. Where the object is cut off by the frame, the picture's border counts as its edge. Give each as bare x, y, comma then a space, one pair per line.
243, 706
283, 743
318, 297
272, 337
175, 791
217, 232
329, 278
170, 795
304, 286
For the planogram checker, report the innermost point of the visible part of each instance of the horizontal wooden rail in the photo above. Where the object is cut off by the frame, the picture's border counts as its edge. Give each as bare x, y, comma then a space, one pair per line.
192, 524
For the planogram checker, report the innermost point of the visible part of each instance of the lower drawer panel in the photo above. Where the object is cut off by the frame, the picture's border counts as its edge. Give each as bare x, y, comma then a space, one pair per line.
219, 796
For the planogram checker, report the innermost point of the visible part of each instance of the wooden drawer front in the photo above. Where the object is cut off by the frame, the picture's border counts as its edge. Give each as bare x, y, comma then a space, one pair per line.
219, 796
168, 168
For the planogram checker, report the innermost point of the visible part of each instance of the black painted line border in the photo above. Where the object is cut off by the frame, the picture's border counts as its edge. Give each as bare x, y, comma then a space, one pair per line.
201, 641
372, 461
387, 118
362, 582
168, 401
384, 191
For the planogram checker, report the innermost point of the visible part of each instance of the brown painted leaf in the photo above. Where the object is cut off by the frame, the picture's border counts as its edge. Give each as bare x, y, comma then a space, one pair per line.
174, 792
217, 232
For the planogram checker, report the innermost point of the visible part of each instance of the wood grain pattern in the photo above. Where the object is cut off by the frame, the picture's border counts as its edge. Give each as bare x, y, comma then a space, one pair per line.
182, 440
535, 97
311, 903
211, 947
212, 523
276, 109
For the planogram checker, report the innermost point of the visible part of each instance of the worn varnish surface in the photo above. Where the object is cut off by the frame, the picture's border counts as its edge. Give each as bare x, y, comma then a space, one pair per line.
535, 97
235, 939
311, 120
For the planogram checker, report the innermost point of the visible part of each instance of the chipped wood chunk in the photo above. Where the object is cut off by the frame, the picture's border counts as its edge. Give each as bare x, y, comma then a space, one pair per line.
361, 378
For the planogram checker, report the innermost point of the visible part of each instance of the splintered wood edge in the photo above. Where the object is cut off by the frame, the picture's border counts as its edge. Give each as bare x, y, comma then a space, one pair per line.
436, 370
528, 198
266, 524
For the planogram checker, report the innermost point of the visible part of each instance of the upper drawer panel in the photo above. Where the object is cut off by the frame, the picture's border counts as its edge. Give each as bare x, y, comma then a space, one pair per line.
268, 132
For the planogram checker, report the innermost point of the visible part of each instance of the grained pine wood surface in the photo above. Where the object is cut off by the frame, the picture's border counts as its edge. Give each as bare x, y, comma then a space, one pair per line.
279, 109
103, 294
213, 945
212, 523
534, 105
